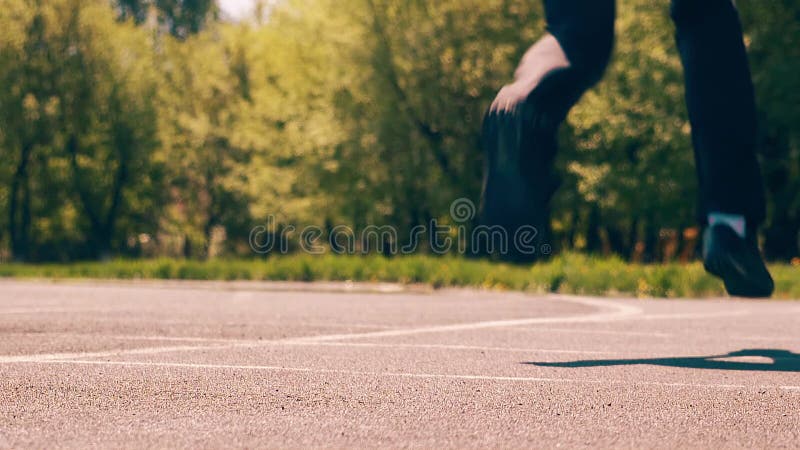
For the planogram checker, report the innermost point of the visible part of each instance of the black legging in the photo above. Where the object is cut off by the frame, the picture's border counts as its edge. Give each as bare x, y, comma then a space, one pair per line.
719, 90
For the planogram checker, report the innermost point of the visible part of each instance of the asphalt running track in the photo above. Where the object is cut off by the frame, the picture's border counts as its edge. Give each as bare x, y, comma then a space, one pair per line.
209, 365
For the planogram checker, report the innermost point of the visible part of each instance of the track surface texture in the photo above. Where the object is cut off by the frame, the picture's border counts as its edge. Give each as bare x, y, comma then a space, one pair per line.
209, 365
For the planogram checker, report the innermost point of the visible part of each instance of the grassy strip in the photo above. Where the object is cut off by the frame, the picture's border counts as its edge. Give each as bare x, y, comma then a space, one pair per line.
570, 273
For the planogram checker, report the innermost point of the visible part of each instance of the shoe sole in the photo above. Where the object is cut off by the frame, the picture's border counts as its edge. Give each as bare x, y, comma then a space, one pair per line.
733, 276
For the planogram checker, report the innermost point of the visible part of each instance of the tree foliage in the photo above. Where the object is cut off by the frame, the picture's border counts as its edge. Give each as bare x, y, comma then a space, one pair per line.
79, 129
181, 18
149, 127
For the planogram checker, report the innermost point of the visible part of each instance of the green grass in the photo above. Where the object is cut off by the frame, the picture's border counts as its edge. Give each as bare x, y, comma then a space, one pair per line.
569, 273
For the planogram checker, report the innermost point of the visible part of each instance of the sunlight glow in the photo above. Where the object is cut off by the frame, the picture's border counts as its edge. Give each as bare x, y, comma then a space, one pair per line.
237, 9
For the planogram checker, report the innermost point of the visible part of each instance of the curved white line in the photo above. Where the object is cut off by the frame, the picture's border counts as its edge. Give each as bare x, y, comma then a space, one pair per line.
628, 383
617, 311
613, 311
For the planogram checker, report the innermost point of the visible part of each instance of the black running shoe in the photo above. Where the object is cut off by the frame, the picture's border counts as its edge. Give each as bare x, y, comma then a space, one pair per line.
518, 181
737, 262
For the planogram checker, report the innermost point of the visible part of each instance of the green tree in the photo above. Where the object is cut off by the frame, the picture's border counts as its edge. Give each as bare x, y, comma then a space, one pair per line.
173, 124
81, 122
207, 136
626, 152
773, 31
408, 82
180, 18
26, 114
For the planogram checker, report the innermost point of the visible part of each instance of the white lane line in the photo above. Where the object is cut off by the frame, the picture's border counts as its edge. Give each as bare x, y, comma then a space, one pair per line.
127, 337
690, 316
229, 345
133, 337
44, 357
453, 347
622, 312
585, 331
334, 325
44, 310
678, 316
417, 375
795, 339
122, 337
617, 311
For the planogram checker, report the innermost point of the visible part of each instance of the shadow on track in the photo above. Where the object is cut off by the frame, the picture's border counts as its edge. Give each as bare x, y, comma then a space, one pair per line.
782, 361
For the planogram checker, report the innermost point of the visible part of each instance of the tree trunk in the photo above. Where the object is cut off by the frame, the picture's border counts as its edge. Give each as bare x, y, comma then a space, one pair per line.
650, 241
19, 215
633, 233
101, 225
616, 240
780, 241
593, 240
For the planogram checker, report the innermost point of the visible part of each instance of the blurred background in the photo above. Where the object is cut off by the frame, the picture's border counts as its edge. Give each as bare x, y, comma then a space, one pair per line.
143, 128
